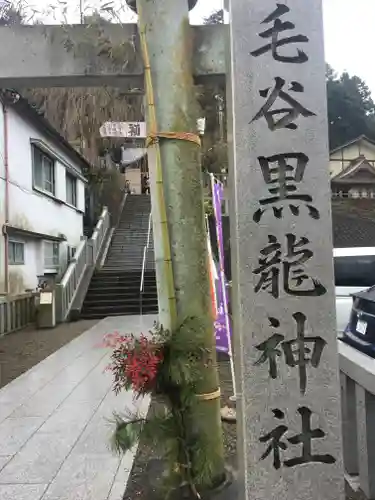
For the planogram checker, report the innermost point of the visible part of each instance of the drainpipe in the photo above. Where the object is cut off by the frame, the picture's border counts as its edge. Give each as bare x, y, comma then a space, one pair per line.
6, 167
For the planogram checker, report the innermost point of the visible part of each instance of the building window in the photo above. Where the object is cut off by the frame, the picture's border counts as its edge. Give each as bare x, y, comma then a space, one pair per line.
51, 255
354, 271
71, 189
43, 171
71, 253
16, 253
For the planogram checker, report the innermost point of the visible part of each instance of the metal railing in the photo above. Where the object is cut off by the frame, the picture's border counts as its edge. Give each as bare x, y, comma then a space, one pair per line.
221, 176
144, 263
98, 236
86, 255
17, 312
104, 254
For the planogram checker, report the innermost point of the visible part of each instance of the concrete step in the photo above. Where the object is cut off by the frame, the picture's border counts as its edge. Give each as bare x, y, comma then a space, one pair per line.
120, 290
120, 309
111, 283
115, 289
119, 296
130, 257
90, 315
122, 275
120, 280
128, 249
112, 301
120, 304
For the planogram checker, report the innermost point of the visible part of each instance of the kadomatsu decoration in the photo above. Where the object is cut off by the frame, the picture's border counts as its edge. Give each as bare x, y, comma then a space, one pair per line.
167, 366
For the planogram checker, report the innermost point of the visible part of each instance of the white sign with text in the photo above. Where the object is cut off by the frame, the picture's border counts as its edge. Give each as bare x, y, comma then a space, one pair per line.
129, 130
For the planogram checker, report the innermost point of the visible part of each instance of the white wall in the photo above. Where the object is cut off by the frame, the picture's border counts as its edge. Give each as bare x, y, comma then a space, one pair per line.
32, 210
24, 277
2, 202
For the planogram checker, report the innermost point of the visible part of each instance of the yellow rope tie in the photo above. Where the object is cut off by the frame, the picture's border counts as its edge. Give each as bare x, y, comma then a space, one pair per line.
153, 137
209, 396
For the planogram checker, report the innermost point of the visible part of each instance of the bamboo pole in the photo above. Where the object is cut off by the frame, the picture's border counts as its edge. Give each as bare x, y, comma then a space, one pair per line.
164, 24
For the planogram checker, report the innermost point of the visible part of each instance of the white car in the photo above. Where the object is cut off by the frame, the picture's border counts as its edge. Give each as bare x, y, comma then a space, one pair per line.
354, 271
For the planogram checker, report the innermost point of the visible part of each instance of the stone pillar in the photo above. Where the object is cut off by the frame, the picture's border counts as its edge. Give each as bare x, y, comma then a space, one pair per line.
287, 360
349, 424
365, 405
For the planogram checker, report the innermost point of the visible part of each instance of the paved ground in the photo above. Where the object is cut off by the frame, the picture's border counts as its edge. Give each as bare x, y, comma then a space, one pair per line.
55, 423
22, 350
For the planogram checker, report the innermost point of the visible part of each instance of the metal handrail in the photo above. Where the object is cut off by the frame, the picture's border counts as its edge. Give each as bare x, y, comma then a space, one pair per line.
87, 254
145, 253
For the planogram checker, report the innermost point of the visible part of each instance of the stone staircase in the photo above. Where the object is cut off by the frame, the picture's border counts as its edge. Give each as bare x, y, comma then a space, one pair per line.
115, 289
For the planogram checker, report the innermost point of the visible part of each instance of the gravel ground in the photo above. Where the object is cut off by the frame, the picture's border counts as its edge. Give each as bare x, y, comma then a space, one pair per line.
20, 351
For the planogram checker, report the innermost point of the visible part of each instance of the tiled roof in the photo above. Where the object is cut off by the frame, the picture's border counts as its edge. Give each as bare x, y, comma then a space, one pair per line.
348, 173
353, 223
353, 141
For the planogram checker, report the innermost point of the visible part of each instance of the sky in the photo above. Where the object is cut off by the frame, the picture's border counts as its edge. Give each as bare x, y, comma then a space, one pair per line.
349, 29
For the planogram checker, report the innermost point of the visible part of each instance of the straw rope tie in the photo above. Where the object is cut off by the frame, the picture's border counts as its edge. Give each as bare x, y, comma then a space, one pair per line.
209, 396
154, 137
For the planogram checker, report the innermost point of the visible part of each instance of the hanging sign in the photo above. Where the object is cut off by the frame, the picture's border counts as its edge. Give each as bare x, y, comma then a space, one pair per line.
128, 130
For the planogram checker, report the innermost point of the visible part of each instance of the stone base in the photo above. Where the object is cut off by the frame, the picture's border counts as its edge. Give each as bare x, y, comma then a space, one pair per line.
352, 489
222, 357
228, 415
226, 491
153, 478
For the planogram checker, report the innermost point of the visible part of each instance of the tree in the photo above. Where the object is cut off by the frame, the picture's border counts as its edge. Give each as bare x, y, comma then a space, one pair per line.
212, 101
78, 113
10, 15
351, 110
215, 18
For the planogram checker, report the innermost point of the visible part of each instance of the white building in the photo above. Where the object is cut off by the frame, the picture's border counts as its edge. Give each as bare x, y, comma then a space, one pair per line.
42, 198
352, 169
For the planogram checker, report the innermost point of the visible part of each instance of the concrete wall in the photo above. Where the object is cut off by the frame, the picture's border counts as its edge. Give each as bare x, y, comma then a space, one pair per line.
34, 210
2, 203
133, 175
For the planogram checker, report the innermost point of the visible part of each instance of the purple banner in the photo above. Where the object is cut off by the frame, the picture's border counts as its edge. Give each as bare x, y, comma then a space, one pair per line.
222, 323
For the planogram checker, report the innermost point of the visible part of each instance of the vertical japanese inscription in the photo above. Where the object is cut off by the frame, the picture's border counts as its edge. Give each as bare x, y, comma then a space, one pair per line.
307, 434
285, 270
281, 178
286, 115
281, 265
300, 351
278, 28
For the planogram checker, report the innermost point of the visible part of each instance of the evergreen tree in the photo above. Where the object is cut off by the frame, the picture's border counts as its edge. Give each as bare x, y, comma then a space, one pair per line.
351, 110
215, 18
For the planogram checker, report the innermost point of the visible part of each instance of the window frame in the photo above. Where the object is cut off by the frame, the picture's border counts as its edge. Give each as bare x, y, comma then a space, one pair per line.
51, 264
71, 251
52, 170
14, 261
354, 270
73, 179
